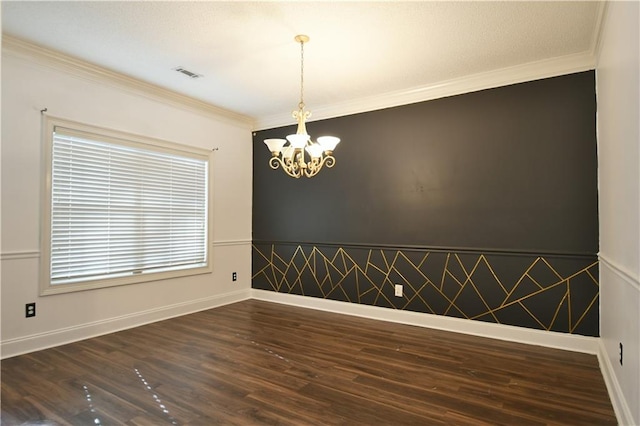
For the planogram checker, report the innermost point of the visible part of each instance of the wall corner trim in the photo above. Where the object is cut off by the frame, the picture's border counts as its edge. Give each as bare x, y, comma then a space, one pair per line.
226, 243
21, 254
628, 276
36, 342
620, 406
550, 339
596, 43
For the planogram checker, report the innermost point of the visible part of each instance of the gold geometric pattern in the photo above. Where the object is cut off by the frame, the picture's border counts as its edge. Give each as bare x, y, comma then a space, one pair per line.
548, 292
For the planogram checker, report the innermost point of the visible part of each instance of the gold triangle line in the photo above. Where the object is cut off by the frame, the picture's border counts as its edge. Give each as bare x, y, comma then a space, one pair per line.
534, 281
416, 268
311, 262
406, 282
313, 269
368, 291
386, 276
586, 311
476, 288
435, 287
335, 255
595, 281
422, 261
575, 274
352, 261
417, 294
555, 315
375, 301
569, 304
551, 267
344, 262
444, 271
260, 252
544, 289
384, 258
535, 293
284, 274
521, 278
341, 287
494, 274
276, 282
374, 266
366, 266
260, 271
533, 316
332, 267
357, 275
453, 301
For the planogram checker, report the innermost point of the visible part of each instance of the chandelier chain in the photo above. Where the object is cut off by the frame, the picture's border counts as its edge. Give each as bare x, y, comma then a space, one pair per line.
301, 74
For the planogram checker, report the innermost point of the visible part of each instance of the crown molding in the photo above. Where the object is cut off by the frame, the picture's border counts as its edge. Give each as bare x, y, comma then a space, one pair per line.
19, 48
486, 80
531, 71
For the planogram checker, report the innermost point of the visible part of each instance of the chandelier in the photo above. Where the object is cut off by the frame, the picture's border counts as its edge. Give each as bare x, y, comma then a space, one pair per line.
293, 157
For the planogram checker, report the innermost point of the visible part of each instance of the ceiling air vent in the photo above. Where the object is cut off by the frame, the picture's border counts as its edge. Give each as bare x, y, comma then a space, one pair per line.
188, 73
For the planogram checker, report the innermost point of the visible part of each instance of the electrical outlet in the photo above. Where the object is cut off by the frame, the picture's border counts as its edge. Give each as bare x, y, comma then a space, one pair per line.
620, 353
399, 290
234, 276
30, 310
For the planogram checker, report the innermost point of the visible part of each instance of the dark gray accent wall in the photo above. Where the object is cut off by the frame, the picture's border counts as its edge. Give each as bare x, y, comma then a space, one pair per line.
483, 206
510, 169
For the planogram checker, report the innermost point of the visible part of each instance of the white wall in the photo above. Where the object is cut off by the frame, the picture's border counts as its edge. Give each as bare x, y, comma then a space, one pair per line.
31, 82
619, 180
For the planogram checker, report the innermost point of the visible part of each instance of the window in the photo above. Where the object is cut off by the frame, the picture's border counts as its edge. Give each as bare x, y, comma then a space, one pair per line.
121, 209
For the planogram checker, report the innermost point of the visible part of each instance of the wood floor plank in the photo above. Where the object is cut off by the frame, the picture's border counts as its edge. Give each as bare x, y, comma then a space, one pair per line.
259, 363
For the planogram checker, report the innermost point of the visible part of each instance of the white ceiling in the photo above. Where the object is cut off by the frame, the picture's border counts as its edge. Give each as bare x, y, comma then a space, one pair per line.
359, 51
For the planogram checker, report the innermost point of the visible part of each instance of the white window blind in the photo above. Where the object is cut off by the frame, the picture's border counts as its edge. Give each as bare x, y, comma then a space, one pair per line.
123, 209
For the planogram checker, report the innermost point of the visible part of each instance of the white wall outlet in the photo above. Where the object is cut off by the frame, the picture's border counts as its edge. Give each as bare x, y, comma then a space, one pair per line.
399, 290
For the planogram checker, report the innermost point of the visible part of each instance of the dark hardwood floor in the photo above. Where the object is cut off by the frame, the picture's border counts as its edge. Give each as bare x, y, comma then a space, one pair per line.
255, 362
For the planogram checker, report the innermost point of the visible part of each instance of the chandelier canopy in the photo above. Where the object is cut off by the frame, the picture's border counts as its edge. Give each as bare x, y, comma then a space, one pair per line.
293, 157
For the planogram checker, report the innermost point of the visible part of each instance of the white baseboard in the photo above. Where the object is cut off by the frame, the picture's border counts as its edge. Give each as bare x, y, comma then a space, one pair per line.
21, 345
36, 342
620, 406
550, 339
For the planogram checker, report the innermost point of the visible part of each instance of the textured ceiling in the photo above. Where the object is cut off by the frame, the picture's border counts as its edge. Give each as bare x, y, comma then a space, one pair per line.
358, 50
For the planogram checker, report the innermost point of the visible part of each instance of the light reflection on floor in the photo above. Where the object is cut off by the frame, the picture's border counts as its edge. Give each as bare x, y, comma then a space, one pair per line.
163, 408
156, 398
96, 420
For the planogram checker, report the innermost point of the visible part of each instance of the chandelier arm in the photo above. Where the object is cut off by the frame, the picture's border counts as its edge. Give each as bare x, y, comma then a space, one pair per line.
292, 167
312, 170
289, 167
314, 167
329, 161
275, 162
294, 172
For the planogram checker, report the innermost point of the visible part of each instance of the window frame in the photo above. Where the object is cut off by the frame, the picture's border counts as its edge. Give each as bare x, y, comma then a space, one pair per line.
102, 134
